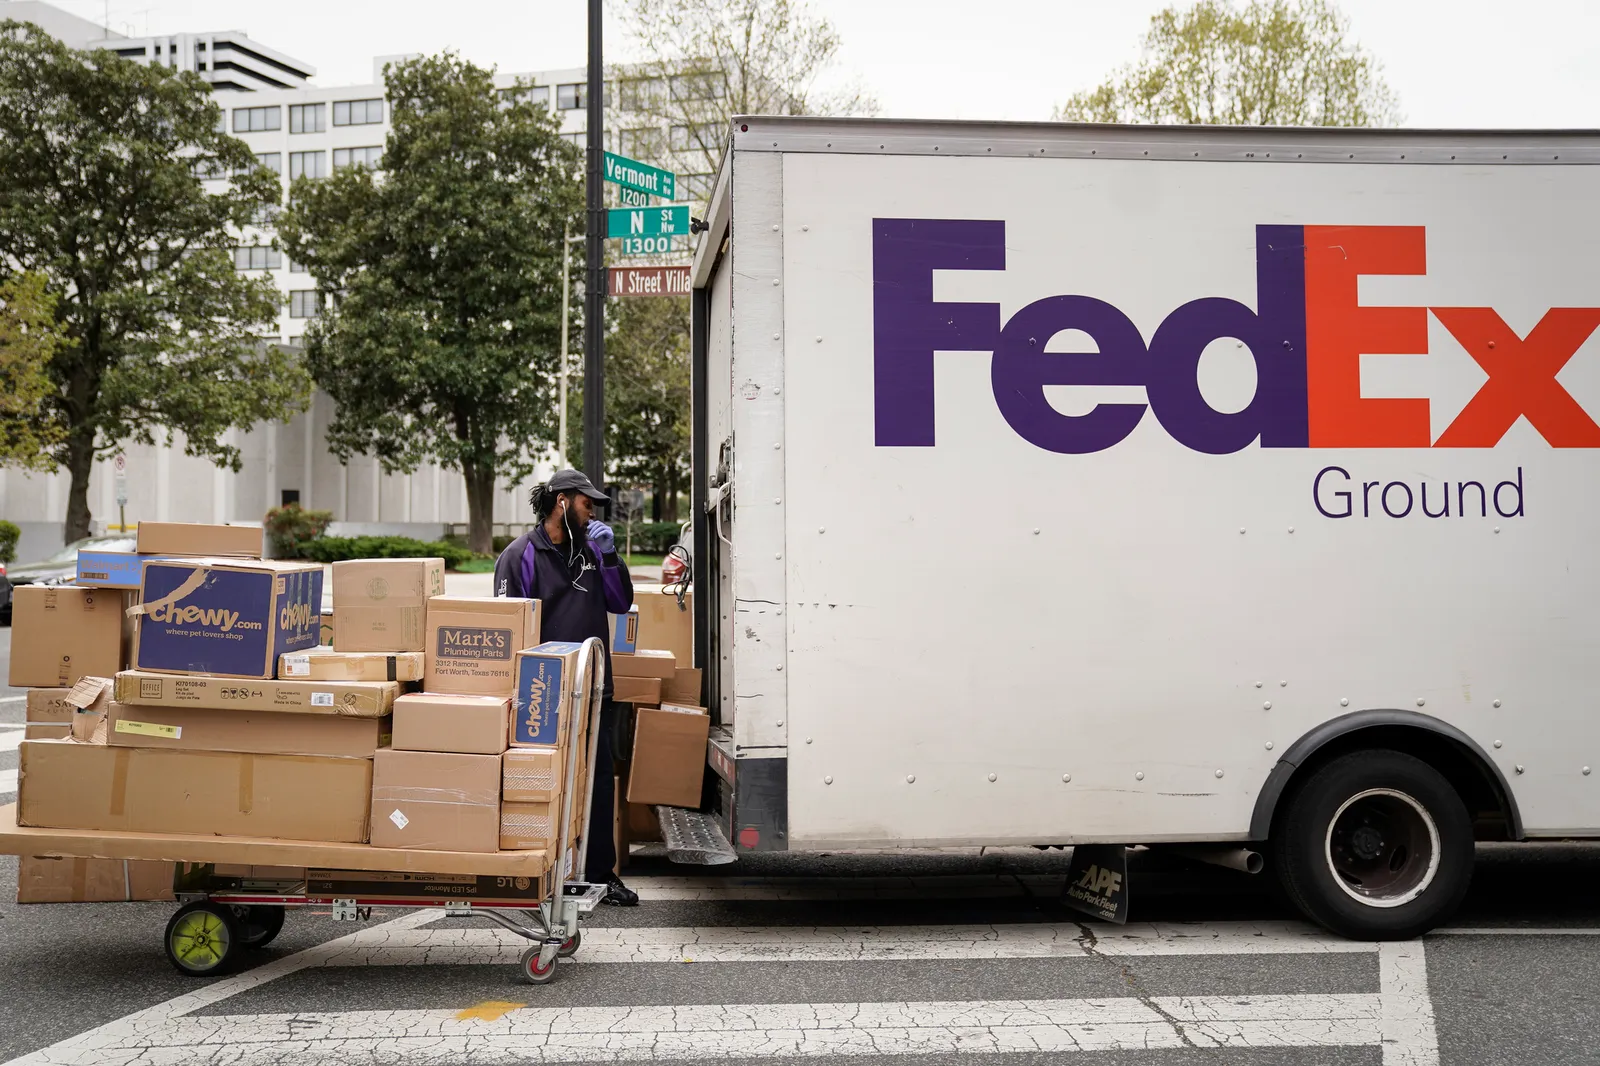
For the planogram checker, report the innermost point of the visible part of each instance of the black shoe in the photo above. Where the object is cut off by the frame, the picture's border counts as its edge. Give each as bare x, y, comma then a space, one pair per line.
619, 894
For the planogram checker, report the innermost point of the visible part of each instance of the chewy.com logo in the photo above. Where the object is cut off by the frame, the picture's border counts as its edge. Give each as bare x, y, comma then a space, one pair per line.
1307, 336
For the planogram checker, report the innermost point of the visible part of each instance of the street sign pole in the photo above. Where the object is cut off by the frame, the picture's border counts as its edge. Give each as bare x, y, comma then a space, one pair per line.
119, 468
594, 292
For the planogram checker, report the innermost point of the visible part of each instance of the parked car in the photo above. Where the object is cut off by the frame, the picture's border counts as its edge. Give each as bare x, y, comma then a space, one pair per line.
62, 567
675, 567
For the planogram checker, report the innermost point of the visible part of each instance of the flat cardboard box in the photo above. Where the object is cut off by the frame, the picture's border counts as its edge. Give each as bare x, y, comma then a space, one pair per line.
645, 662
638, 690
546, 679
225, 617
383, 603
259, 732
684, 686
54, 879
67, 785
662, 625
473, 642
528, 826
90, 700
669, 757
467, 725
111, 570
625, 631
531, 775
436, 801
353, 699
324, 664
49, 715
197, 538
60, 633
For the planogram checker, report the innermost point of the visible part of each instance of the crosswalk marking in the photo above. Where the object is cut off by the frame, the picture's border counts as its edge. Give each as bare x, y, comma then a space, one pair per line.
11, 739
8, 781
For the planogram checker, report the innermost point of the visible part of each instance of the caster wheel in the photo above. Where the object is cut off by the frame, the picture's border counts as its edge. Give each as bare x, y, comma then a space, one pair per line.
570, 947
258, 925
202, 939
530, 966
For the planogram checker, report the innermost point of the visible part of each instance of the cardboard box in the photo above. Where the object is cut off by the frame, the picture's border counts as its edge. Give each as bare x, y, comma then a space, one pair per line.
669, 757
545, 683
60, 633
111, 570
435, 801
53, 879
531, 775
636, 690
90, 700
625, 631
468, 725
383, 603
225, 617
528, 826
197, 538
326, 640
49, 715
643, 825
260, 732
663, 626
645, 662
324, 664
684, 687
353, 699
67, 785
473, 642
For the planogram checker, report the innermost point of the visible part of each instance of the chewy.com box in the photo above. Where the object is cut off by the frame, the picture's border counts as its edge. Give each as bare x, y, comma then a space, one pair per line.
225, 617
545, 684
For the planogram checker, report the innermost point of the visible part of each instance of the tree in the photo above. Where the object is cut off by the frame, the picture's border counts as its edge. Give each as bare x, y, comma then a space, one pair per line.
440, 341
1275, 63
28, 338
705, 61
647, 396
101, 191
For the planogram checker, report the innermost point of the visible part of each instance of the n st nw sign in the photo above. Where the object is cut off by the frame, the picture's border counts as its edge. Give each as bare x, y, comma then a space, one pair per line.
648, 281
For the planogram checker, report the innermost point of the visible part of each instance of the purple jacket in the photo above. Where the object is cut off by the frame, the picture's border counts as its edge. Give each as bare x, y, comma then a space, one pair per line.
533, 567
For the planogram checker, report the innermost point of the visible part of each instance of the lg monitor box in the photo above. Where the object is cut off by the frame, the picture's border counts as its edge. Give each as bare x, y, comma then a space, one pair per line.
225, 617
545, 684
383, 603
473, 642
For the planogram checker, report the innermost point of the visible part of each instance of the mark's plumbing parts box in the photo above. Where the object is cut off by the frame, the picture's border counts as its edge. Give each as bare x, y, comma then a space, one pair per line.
383, 603
473, 642
225, 617
545, 683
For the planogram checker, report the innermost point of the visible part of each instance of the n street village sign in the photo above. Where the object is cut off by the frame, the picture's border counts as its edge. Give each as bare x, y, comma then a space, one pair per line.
647, 221
648, 281
640, 177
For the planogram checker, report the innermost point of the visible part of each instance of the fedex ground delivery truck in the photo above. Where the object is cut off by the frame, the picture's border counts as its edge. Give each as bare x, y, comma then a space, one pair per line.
1065, 485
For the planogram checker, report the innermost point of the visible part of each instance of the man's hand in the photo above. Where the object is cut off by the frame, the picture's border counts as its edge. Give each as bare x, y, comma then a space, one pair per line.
600, 535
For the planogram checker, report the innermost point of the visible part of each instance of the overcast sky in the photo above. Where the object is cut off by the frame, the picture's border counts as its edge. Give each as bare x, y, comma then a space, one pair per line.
1531, 63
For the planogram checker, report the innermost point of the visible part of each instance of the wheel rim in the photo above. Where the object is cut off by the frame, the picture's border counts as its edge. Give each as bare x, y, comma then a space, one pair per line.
199, 940
535, 968
1382, 848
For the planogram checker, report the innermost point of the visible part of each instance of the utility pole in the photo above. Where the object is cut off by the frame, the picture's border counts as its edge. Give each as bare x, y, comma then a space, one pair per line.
594, 292
561, 411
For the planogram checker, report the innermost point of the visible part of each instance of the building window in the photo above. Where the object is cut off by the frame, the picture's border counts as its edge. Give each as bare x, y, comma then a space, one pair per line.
307, 118
569, 97
357, 112
696, 188
208, 169
256, 119
273, 161
257, 257
642, 143
576, 138
526, 94
304, 303
357, 157
707, 86
308, 165
296, 267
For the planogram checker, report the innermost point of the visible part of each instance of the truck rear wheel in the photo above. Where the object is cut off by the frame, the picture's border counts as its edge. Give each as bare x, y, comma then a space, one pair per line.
1376, 845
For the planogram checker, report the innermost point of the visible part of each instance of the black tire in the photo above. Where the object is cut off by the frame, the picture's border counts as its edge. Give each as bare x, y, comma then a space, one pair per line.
202, 939
258, 925
1376, 845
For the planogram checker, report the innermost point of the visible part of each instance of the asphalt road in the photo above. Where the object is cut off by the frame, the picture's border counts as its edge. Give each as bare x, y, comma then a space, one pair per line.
922, 957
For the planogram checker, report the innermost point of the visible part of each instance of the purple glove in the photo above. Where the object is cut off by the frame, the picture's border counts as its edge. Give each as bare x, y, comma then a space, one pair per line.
600, 535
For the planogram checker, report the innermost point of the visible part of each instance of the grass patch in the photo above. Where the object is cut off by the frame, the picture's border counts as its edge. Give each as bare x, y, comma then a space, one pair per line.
482, 564
644, 560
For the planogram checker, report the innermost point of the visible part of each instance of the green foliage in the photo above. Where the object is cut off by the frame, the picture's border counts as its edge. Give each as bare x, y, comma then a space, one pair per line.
10, 533
99, 193
1275, 63
648, 400
335, 549
442, 342
29, 337
649, 538
291, 527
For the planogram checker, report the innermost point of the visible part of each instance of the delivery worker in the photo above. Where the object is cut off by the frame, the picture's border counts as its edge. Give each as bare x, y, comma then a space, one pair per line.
569, 563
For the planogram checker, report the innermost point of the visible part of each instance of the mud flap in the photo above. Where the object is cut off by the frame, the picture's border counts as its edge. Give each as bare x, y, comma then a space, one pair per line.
1097, 882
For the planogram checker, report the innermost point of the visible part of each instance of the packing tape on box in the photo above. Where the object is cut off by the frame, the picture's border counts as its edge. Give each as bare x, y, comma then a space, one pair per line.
247, 784
119, 781
416, 794
192, 582
127, 881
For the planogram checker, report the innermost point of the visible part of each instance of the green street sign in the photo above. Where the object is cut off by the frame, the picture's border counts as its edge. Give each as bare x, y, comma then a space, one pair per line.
647, 221
632, 197
648, 245
641, 177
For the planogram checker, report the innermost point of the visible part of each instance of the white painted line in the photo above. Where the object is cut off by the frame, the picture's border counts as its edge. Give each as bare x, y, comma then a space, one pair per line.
7, 701
13, 725
1503, 931
8, 781
12, 740
744, 1030
442, 945
954, 886
1410, 1037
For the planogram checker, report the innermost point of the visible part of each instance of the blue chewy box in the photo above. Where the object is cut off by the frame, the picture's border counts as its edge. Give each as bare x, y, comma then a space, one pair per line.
544, 683
625, 631
226, 617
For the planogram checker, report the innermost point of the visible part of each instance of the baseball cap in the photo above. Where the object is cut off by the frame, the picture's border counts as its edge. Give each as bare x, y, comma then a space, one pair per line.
573, 481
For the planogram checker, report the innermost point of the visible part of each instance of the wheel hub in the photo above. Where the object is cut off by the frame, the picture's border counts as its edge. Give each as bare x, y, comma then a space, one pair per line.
1382, 848
1367, 843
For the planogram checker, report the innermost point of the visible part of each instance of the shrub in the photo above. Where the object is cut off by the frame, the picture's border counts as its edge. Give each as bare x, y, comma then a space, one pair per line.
649, 538
10, 533
290, 528
335, 549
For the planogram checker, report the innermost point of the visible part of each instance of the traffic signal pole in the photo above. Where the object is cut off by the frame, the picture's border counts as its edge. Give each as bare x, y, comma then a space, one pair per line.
594, 292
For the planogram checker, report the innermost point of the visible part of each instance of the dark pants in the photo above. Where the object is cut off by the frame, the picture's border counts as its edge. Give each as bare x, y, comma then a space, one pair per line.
602, 856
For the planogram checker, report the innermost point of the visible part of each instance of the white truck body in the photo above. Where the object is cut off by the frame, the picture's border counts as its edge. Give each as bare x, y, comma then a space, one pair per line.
1004, 551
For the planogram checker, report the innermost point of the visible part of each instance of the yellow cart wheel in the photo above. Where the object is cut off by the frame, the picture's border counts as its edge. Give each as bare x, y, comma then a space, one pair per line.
202, 939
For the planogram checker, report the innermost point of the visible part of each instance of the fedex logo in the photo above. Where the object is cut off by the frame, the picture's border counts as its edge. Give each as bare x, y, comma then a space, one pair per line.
1307, 335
